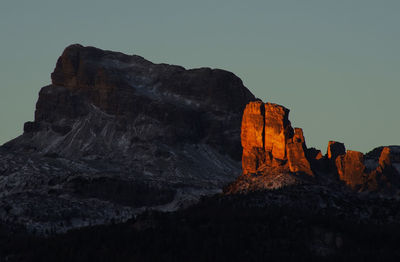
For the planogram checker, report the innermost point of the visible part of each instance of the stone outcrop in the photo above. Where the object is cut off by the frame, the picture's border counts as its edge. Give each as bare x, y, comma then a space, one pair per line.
385, 159
273, 151
252, 137
386, 175
351, 168
269, 141
277, 130
296, 148
317, 160
334, 150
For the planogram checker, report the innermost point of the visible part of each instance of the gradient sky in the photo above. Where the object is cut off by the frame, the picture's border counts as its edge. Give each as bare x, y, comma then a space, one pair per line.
335, 64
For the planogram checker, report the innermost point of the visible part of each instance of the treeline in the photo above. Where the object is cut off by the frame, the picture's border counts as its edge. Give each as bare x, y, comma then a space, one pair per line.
217, 229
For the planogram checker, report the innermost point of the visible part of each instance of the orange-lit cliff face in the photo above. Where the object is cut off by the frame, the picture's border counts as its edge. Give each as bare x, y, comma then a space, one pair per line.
273, 149
269, 140
351, 168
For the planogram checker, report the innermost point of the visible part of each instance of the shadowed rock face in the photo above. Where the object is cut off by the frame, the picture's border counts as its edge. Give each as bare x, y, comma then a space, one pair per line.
192, 105
112, 80
335, 149
118, 132
387, 174
188, 106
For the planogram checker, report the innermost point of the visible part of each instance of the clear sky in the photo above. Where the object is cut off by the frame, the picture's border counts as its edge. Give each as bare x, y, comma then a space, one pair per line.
334, 63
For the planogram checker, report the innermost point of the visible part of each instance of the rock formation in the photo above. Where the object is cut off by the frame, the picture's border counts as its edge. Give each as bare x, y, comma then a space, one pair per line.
114, 134
387, 173
269, 140
316, 159
274, 153
334, 150
296, 148
277, 132
351, 168
253, 137
379, 175
385, 159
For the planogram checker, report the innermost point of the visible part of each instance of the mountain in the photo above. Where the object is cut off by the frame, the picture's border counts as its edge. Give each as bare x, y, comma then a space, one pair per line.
115, 134
117, 140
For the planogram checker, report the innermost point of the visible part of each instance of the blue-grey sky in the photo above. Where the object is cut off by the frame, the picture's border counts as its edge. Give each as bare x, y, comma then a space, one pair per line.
334, 63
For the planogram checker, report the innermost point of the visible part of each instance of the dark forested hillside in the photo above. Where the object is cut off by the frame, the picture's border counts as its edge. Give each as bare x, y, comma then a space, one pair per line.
279, 225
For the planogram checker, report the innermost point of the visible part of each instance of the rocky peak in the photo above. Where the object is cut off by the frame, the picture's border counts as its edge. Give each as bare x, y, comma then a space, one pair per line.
296, 154
188, 106
335, 149
351, 168
385, 159
111, 80
269, 140
387, 172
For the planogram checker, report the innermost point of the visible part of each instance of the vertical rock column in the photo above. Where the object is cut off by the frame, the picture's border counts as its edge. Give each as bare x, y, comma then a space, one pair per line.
252, 137
269, 140
351, 168
277, 130
296, 147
